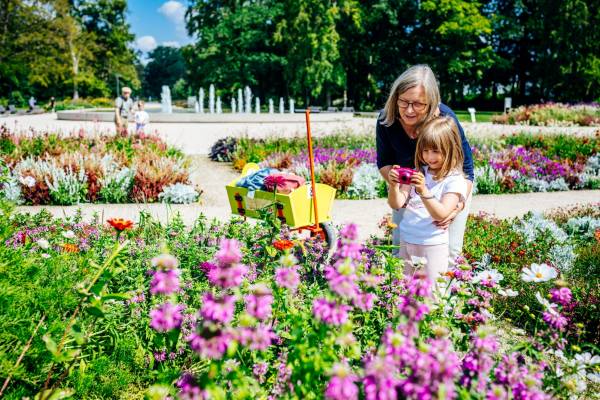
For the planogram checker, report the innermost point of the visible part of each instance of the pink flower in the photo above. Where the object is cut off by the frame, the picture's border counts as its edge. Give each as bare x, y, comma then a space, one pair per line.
365, 301
342, 384
274, 181
287, 277
165, 282
330, 312
228, 276
166, 317
210, 343
258, 303
561, 296
258, 338
218, 309
555, 320
229, 252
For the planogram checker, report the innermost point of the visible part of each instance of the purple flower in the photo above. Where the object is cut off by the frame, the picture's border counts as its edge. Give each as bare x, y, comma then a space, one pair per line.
258, 303
260, 370
258, 338
365, 301
165, 282
342, 385
330, 312
189, 388
342, 284
227, 276
229, 252
555, 320
218, 309
349, 232
166, 317
211, 342
561, 296
379, 381
287, 277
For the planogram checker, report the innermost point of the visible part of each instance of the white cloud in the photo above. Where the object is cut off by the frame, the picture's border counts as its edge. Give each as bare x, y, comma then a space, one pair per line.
174, 11
146, 43
171, 44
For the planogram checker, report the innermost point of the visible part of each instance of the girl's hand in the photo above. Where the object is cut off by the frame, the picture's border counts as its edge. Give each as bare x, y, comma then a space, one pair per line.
393, 175
418, 180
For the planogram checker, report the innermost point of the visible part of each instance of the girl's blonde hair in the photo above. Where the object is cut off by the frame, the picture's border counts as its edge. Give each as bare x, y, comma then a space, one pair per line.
417, 75
440, 133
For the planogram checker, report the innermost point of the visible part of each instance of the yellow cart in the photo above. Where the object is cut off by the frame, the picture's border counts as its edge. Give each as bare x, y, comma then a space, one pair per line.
306, 208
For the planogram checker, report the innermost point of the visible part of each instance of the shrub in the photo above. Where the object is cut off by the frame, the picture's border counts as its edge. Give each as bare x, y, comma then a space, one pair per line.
178, 193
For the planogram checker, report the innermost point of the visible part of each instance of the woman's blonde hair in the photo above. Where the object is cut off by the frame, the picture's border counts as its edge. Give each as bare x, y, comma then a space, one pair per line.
440, 133
417, 75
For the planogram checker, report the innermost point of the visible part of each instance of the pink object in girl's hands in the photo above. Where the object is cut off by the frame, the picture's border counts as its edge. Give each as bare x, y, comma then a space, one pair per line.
404, 174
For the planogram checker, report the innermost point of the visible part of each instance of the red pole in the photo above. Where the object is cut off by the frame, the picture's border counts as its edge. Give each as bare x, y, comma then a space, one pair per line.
312, 169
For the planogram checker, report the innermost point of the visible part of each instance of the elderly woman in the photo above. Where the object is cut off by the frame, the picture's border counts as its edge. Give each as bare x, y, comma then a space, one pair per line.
413, 100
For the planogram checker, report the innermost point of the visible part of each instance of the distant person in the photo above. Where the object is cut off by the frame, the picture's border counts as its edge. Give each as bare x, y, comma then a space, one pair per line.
141, 118
52, 103
123, 108
431, 194
31, 103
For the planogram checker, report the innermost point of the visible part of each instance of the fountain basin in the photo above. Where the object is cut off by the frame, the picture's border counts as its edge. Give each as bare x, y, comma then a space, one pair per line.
107, 115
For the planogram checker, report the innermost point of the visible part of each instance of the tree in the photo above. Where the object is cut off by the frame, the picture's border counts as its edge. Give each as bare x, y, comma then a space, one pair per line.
235, 46
166, 66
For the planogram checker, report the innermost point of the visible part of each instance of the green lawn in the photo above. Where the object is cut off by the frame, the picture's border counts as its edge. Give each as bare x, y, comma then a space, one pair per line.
481, 116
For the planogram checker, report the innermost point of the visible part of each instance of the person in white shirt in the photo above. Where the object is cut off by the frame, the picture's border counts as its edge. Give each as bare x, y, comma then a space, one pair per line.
435, 190
141, 118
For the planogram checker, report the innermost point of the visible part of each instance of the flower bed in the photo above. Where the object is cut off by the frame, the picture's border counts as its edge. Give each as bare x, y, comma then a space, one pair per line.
51, 168
556, 114
241, 311
513, 164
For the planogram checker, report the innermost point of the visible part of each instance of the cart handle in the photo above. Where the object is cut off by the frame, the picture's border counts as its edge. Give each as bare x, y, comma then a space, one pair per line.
312, 169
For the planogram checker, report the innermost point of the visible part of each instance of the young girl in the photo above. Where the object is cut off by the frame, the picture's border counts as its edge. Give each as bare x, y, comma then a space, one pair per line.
141, 118
434, 192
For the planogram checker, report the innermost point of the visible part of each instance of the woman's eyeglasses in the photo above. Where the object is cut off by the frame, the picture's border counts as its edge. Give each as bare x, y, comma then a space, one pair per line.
415, 104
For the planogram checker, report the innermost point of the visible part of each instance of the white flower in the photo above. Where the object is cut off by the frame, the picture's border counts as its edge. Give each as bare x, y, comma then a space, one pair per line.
551, 307
418, 261
508, 293
538, 273
574, 383
69, 234
43, 244
489, 275
288, 260
586, 359
594, 377
45, 255
28, 181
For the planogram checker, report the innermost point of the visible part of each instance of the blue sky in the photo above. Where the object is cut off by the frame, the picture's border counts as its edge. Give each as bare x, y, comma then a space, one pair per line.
158, 22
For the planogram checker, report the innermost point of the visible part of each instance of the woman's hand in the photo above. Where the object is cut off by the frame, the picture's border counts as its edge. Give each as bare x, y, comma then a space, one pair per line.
418, 180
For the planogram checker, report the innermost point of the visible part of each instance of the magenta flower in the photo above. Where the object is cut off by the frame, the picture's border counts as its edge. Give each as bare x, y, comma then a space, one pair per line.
419, 285
257, 338
555, 320
210, 342
218, 309
189, 388
260, 370
166, 317
365, 301
349, 232
227, 276
344, 285
229, 252
258, 303
342, 385
562, 296
379, 381
165, 282
330, 312
287, 277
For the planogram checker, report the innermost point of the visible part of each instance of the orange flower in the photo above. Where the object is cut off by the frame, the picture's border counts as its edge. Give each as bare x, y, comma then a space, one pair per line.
283, 244
597, 235
70, 248
120, 224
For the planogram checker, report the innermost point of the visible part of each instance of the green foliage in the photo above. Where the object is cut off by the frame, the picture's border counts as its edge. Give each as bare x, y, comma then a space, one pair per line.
561, 145
166, 67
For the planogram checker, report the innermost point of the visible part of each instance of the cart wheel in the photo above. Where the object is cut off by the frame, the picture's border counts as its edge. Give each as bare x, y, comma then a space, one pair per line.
330, 237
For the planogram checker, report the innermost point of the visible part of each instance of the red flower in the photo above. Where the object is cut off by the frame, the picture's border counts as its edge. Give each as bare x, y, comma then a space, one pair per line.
283, 244
274, 181
120, 224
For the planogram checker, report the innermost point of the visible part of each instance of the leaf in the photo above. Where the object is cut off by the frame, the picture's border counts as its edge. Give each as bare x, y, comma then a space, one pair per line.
115, 296
78, 334
50, 344
271, 251
95, 311
57, 394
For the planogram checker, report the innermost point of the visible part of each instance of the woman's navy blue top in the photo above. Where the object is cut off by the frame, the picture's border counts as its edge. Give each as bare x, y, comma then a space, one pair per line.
395, 147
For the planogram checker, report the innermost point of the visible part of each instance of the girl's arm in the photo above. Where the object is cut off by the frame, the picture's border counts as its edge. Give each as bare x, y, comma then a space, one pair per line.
397, 195
438, 210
